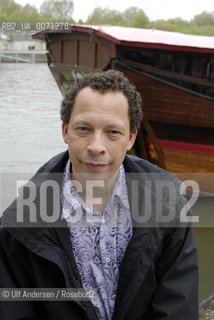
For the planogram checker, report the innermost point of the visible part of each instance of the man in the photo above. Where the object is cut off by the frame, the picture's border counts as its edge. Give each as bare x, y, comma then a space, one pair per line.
109, 235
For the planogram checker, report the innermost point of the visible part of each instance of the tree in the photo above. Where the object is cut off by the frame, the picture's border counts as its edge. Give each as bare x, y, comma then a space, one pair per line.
106, 17
80, 21
30, 9
11, 11
204, 19
176, 25
9, 6
59, 10
135, 17
132, 17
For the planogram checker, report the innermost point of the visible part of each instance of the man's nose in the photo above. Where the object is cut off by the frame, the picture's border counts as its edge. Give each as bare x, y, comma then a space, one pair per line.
96, 144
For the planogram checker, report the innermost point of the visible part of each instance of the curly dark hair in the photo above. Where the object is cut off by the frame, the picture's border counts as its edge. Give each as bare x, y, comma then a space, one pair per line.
103, 82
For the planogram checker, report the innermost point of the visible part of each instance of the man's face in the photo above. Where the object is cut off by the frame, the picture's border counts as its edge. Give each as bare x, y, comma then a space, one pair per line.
98, 133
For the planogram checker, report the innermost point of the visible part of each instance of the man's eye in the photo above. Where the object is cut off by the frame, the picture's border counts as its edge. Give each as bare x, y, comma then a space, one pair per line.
114, 132
82, 129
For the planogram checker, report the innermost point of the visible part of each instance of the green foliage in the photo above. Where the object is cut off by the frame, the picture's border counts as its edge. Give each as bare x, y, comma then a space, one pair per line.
182, 26
80, 21
136, 18
51, 10
131, 17
105, 16
9, 7
202, 24
203, 30
11, 11
204, 19
10, 37
57, 9
176, 25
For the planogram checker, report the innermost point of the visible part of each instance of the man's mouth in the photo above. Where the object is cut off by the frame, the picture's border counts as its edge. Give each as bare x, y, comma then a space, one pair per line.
95, 166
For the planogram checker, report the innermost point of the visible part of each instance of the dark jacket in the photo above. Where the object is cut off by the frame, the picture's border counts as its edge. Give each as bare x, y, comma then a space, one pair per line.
158, 276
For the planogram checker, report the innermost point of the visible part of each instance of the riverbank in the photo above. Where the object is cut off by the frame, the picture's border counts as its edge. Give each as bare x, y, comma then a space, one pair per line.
22, 48
207, 309
27, 56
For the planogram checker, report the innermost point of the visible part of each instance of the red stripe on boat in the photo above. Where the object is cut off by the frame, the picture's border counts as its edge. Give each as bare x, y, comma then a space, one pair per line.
186, 146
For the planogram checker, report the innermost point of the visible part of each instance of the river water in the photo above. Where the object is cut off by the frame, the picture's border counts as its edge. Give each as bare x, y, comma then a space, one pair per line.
30, 134
30, 126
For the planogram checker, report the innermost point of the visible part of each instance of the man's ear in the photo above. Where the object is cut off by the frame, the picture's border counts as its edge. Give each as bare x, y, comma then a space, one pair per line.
65, 131
132, 137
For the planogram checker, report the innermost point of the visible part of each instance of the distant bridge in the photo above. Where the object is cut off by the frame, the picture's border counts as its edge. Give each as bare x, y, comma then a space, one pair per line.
28, 56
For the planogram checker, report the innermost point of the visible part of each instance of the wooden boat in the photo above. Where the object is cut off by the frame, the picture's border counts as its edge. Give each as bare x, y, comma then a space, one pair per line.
174, 73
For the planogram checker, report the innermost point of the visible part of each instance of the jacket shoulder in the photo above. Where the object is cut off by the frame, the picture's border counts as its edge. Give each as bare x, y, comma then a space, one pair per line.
136, 164
55, 164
